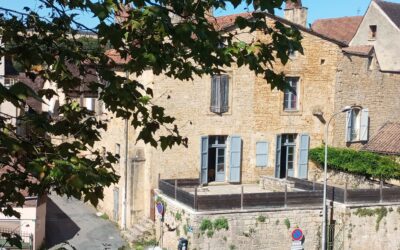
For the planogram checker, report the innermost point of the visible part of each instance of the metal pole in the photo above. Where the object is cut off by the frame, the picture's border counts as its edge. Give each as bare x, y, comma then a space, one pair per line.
241, 198
195, 199
175, 188
323, 242
285, 195
381, 191
325, 182
125, 172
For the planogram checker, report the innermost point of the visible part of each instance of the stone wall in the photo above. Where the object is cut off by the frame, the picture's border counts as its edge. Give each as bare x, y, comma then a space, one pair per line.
270, 229
359, 83
274, 184
255, 114
361, 227
364, 232
316, 70
337, 178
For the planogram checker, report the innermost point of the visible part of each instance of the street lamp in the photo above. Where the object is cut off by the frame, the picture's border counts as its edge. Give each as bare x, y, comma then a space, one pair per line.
345, 109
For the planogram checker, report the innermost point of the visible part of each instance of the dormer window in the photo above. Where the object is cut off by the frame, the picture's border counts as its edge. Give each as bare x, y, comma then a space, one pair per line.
372, 32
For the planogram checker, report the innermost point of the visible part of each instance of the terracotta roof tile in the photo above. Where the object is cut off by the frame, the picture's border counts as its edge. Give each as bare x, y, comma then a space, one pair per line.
362, 50
341, 29
386, 140
116, 57
392, 10
222, 22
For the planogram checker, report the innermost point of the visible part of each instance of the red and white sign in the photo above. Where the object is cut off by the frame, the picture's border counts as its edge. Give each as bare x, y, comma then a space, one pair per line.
297, 234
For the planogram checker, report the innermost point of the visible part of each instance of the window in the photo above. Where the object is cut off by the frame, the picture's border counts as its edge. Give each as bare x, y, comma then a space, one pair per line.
357, 123
291, 95
262, 154
117, 149
213, 158
90, 103
372, 32
291, 52
219, 94
8, 82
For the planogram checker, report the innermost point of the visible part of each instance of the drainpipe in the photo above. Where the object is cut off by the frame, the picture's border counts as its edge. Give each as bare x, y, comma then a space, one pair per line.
125, 193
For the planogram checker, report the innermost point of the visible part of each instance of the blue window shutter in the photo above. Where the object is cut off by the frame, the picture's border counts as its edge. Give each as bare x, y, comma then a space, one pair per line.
235, 159
224, 93
364, 125
262, 148
204, 160
348, 126
278, 156
303, 156
214, 97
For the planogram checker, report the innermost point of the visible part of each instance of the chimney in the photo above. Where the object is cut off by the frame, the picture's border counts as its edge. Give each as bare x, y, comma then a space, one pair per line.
296, 13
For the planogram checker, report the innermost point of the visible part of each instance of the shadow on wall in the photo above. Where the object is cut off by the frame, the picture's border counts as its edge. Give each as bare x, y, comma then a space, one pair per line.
55, 216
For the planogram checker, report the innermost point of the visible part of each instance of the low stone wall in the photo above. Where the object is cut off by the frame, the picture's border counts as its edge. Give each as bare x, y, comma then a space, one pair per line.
357, 227
373, 227
275, 184
340, 179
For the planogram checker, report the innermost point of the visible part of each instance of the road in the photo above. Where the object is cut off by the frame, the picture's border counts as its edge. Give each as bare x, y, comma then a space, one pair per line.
72, 221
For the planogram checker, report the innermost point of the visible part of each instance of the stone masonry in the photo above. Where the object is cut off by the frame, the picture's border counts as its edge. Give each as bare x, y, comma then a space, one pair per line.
361, 227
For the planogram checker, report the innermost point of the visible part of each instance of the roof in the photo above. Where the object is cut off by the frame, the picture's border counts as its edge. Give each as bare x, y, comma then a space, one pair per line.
392, 10
226, 22
223, 22
386, 141
115, 56
361, 50
341, 29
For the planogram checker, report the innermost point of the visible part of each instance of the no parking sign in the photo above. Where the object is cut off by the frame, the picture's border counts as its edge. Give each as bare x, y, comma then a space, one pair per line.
297, 237
297, 234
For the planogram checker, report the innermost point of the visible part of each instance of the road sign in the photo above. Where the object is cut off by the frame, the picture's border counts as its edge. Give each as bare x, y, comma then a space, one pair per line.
297, 245
297, 234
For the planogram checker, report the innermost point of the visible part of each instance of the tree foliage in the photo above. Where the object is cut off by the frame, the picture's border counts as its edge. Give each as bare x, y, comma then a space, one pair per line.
358, 162
172, 37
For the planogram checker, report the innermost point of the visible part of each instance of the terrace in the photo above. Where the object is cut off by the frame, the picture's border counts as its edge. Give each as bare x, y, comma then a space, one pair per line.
270, 193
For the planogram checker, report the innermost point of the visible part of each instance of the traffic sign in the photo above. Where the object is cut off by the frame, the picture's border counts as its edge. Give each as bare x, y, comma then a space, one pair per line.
297, 234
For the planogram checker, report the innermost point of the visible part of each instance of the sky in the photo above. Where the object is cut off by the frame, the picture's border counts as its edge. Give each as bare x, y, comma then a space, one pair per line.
316, 8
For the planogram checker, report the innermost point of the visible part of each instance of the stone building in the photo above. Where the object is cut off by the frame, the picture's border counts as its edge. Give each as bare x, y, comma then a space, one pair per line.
239, 128
368, 72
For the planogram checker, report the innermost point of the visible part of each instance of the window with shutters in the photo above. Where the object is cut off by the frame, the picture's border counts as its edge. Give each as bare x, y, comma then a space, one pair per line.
219, 94
357, 125
290, 100
262, 154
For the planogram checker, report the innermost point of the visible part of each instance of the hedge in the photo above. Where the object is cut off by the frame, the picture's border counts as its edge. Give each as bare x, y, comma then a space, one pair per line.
357, 162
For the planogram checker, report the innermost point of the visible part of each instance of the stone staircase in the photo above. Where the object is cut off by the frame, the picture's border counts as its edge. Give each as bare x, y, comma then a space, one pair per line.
143, 230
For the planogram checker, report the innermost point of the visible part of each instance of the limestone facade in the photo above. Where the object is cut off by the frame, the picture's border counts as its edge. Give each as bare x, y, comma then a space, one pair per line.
361, 82
255, 114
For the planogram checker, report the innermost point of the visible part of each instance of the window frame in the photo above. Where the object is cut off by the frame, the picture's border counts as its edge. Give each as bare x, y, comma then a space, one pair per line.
289, 94
373, 31
219, 98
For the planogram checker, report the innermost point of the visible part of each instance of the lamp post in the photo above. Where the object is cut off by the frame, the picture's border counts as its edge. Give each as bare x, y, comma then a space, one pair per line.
345, 109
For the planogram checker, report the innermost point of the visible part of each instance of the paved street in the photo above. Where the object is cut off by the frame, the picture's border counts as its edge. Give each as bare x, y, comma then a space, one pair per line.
70, 220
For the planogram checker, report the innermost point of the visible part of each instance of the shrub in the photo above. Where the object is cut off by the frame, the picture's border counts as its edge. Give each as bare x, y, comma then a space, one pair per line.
357, 162
221, 223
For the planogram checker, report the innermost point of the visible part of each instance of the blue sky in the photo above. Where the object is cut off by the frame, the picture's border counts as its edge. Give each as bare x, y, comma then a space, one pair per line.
316, 8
